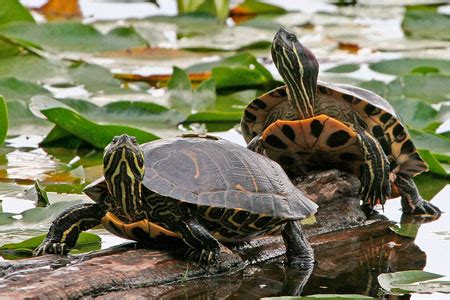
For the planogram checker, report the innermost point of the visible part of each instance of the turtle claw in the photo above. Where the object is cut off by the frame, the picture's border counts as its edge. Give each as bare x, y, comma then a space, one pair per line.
48, 247
203, 256
425, 208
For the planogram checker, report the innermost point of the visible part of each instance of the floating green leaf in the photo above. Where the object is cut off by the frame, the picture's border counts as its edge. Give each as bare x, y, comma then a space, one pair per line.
415, 113
186, 99
433, 164
97, 135
412, 281
13, 11
42, 198
430, 184
3, 120
216, 8
258, 7
430, 88
405, 66
86, 242
348, 68
72, 36
437, 144
426, 23
406, 229
239, 71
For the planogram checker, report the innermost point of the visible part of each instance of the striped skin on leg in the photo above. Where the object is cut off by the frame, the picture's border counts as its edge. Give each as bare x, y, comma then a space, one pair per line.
66, 228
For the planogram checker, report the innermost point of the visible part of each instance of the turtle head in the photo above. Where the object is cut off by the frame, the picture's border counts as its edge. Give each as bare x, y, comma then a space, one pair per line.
123, 168
299, 69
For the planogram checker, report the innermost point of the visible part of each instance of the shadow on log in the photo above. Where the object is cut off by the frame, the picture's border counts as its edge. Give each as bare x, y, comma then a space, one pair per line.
343, 239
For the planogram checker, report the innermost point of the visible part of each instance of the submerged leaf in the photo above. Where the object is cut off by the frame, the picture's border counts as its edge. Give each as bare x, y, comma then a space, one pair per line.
412, 281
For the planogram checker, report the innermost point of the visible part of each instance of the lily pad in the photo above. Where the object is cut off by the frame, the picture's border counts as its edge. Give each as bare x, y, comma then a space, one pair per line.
431, 88
347, 68
218, 9
86, 242
96, 135
13, 11
406, 66
426, 23
412, 281
415, 113
72, 36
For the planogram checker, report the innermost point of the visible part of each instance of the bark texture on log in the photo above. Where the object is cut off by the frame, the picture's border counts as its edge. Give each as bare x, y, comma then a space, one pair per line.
148, 272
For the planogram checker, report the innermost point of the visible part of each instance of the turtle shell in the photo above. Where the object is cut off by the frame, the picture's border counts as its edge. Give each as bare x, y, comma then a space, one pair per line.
348, 104
225, 180
212, 172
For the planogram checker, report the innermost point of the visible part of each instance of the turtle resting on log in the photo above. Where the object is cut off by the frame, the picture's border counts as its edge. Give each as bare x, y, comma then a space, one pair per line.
309, 125
201, 189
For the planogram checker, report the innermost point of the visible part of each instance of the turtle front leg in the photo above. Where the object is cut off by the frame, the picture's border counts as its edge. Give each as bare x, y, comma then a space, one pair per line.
204, 248
64, 231
412, 202
298, 250
256, 145
375, 183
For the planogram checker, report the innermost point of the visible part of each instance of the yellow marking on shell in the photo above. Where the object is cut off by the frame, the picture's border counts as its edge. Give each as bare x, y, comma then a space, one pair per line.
193, 156
240, 188
152, 229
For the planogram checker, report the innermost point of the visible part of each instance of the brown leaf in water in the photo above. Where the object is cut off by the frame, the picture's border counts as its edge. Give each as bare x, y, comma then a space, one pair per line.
159, 80
352, 48
241, 14
61, 9
151, 53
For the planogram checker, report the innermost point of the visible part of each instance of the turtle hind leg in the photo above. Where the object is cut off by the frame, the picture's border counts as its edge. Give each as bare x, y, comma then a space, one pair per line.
298, 250
204, 248
412, 202
64, 231
375, 182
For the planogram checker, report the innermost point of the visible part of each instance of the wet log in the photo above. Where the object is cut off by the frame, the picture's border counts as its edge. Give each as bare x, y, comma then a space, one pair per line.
149, 271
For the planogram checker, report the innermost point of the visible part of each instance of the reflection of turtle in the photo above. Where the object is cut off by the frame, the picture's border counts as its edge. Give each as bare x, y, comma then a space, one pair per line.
307, 125
201, 189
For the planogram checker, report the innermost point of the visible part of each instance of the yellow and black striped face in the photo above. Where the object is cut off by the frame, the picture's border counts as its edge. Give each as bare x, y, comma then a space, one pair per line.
299, 69
123, 167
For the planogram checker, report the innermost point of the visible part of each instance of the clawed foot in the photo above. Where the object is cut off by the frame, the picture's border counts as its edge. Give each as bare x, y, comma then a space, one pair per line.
424, 208
48, 247
203, 256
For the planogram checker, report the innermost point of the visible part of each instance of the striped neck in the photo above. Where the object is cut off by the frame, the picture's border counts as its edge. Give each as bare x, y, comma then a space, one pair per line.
123, 165
299, 69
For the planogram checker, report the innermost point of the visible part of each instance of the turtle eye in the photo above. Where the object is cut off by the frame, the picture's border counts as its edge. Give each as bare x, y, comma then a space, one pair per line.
115, 139
292, 37
133, 139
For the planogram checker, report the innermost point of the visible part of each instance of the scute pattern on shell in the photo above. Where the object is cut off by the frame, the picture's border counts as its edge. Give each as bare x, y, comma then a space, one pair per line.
219, 173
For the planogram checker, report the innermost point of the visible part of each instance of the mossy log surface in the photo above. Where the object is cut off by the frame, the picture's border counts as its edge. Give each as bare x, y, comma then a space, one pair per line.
132, 270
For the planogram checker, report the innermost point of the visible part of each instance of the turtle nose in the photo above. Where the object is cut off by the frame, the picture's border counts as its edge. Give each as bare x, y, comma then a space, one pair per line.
124, 139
